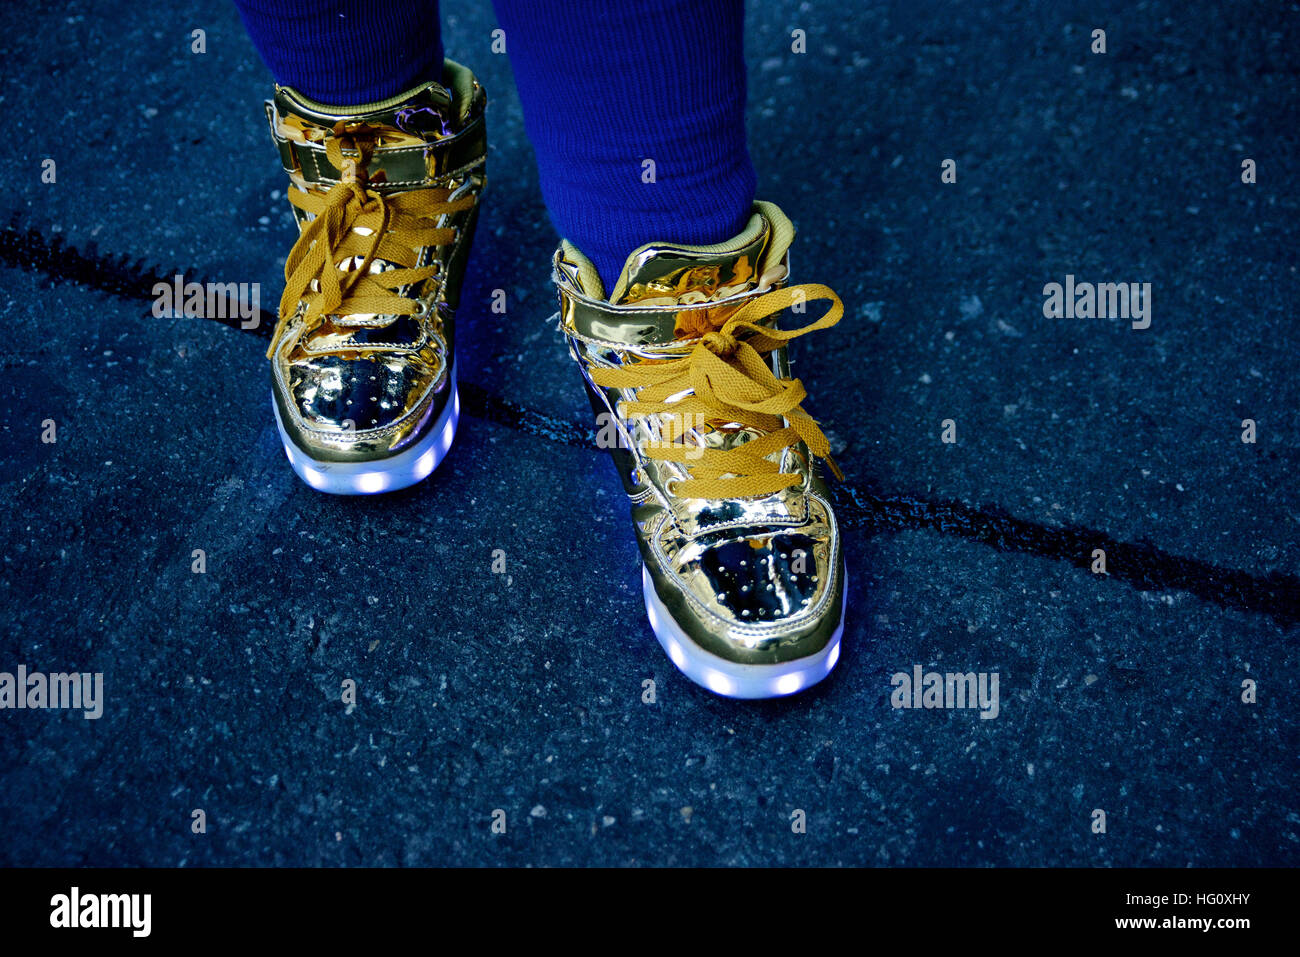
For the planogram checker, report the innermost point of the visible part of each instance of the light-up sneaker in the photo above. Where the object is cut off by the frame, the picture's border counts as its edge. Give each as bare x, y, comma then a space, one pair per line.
386, 199
685, 362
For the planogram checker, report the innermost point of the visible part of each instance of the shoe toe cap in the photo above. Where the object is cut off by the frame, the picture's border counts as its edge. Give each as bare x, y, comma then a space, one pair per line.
763, 580
367, 404
759, 596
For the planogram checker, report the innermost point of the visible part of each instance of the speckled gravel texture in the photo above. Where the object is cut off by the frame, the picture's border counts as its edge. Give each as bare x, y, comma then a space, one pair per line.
523, 691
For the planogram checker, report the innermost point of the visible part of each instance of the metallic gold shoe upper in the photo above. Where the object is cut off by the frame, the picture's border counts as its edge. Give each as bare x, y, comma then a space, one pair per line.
686, 366
385, 195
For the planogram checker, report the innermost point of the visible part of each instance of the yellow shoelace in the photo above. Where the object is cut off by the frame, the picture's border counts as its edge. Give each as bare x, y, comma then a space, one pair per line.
399, 225
731, 382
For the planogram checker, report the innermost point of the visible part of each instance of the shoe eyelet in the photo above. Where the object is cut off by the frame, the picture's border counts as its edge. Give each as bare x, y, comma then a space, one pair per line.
670, 487
421, 308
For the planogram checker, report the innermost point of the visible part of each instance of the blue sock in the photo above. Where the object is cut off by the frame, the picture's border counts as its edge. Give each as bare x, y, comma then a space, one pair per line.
607, 86
346, 52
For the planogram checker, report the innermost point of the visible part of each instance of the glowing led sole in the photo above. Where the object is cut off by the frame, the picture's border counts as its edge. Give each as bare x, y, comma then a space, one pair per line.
728, 678
382, 475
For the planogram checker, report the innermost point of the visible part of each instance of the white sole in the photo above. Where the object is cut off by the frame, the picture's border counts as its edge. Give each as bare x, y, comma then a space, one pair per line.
728, 678
382, 475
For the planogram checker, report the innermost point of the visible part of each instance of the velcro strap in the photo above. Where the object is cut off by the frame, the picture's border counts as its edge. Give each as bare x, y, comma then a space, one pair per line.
399, 166
618, 327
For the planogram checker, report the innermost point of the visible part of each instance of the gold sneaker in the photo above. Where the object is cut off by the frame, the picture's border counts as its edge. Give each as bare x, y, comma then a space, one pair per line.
362, 359
686, 367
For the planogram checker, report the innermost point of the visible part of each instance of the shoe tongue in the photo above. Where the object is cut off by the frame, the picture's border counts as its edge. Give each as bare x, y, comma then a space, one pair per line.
677, 273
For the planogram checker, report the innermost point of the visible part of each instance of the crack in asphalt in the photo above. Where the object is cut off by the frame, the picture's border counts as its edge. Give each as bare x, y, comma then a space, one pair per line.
1141, 565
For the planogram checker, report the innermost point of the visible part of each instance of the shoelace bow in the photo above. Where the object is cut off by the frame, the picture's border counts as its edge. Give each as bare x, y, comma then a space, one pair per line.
730, 382
399, 225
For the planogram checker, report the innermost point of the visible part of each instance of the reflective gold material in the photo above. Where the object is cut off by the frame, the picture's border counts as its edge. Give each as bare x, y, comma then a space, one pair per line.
686, 367
386, 199
691, 279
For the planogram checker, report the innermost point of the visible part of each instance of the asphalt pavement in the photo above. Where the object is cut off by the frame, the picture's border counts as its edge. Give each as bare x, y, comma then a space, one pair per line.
1161, 692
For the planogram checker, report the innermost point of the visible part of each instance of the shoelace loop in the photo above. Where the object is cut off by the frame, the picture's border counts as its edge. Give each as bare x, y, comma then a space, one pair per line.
721, 344
351, 222
730, 381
